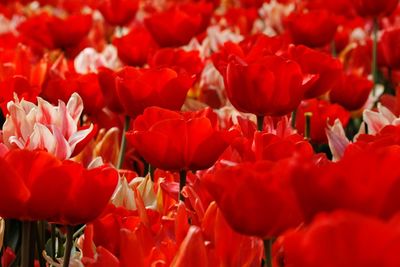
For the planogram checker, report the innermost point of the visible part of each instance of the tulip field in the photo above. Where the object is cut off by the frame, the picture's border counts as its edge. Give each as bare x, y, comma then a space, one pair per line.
200, 133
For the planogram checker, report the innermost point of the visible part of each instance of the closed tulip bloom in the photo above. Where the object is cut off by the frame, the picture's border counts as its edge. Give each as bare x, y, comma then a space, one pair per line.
179, 24
270, 85
373, 8
118, 12
256, 198
315, 28
138, 89
324, 70
135, 47
351, 91
172, 140
342, 239
69, 31
389, 44
76, 195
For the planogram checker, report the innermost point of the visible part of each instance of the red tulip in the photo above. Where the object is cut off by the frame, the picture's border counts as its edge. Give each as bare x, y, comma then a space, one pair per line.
363, 181
373, 8
70, 31
179, 60
138, 89
38, 186
389, 44
351, 92
176, 26
323, 69
175, 141
315, 28
270, 85
323, 113
118, 12
135, 47
343, 239
256, 198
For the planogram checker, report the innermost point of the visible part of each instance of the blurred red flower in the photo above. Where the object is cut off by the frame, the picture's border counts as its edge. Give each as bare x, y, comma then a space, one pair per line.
118, 12
315, 28
323, 113
362, 181
373, 8
135, 47
76, 195
179, 24
323, 69
69, 31
342, 239
179, 60
389, 45
256, 198
351, 92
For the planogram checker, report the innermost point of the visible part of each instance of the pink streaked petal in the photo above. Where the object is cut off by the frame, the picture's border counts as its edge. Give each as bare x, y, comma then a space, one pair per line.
374, 121
47, 113
27, 106
18, 122
66, 124
386, 113
42, 138
62, 150
79, 136
337, 140
75, 107
13, 140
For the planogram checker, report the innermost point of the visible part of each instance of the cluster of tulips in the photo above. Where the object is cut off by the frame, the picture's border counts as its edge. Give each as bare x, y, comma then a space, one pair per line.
200, 133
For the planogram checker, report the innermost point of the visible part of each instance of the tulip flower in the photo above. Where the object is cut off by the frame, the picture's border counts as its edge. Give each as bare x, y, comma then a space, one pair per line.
389, 40
315, 28
69, 31
177, 25
351, 91
362, 181
77, 195
46, 127
269, 85
118, 12
323, 69
342, 239
135, 47
174, 141
371, 8
323, 113
179, 60
256, 198
133, 89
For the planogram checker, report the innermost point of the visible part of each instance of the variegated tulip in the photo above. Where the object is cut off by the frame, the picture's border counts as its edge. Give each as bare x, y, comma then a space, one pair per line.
53, 128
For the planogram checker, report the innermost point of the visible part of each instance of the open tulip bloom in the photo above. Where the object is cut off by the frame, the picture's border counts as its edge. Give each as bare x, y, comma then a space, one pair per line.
200, 133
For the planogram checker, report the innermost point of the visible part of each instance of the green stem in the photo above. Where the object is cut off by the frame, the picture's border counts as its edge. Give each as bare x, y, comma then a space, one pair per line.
121, 155
26, 249
333, 49
53, 242
260, 123
374, 67
68, 246
307, 125
268, 252
40, 236
182, 183
79, 231
294, 114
